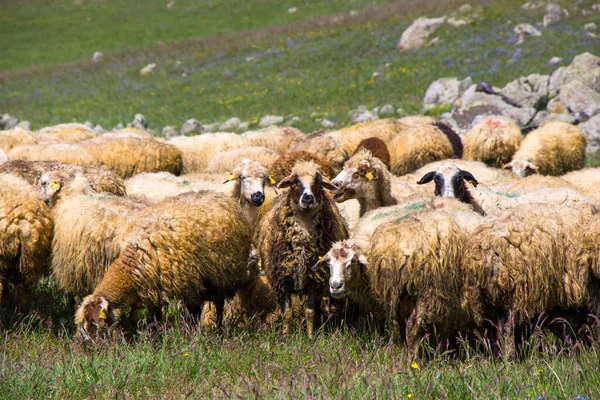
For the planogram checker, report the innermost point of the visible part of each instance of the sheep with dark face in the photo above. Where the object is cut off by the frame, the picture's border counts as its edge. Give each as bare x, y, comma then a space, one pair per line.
298, 229
450, 182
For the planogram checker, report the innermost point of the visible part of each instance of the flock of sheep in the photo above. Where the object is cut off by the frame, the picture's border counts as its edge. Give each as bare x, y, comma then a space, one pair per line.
259, 225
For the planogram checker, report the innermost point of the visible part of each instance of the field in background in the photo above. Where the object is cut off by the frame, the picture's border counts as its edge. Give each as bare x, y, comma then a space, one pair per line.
220, 59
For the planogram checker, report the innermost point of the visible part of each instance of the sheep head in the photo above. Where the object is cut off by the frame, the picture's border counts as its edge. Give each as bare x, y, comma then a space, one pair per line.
55, 183
358, 178
95, 316
346, 265
306, 185
450, 181
251, 178
522, 168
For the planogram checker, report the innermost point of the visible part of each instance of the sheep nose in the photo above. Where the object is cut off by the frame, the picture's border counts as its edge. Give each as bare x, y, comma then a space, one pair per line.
336, 285
336, 183
258, 198
308, 200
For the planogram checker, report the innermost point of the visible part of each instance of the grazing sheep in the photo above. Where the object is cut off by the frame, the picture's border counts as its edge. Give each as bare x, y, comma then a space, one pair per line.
451, 135
64, 133
166, 257
521, 263
228, 160
323, 147
25, 234
61, 152
493, 141
555, 148
15, 137
276, 138
377, 148
283, 165
417, 146
351, 136
100, 178
299, 228
130, 155
198, 150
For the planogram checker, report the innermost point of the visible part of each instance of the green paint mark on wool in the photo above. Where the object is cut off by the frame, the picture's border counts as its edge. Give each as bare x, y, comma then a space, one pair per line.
185, 182
416, 206
510, 195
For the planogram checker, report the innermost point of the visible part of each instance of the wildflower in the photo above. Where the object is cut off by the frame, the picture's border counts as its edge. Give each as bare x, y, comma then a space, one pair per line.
414, 365
186, 354
409, 395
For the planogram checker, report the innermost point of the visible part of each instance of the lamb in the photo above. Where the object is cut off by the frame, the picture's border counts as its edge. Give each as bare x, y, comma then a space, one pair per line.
408, 269
493, 140
555, 148
521, 264
166, 257
228, 160
377, 148
298, 228
274, 137
129, 156
198, 150
417, 146
25, 235
100, 178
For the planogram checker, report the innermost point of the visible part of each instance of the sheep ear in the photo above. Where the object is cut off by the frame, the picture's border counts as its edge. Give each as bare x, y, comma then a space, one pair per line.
231, 177
272, 180
532, 167
328, 185
287, 181
321, 263
428, 177
507, 166
372, 173
467, 176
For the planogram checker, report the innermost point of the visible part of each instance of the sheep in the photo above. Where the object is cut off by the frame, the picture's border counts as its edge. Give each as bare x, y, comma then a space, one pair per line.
451, 135
15, 137
555, 148
166, 257
587, 260
323, 147
128, 133
61, 152
274, 137
100, 178
228, 160
493, 140
377, 148
409, 269
25, 235
198, 150
534, 182
283, 165
585, 180
486, 176
298, 228
351, 136
64, 133
521, 264
417, 146
130, 155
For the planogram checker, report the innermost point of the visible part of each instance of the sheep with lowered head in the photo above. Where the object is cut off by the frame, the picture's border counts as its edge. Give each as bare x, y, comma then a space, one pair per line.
451, 135
298, 229
493, 140
351, 136
25, 235
555, 148
166, 257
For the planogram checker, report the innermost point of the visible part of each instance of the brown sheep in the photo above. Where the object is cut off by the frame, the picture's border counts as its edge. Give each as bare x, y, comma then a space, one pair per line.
493, 140
451, 135
298, 229
25, 235
351, 136
322, 146
377, 148
283, 165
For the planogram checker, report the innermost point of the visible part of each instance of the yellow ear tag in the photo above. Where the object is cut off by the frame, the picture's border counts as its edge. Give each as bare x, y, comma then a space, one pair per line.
102, 314
320, 258
231, 176
55, 185
369, 176
272, 180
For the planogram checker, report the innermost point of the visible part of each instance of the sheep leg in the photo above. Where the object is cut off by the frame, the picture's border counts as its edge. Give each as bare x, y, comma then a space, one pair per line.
220, 305
414, 329
399, 322
286, 310
311, 312
507, 331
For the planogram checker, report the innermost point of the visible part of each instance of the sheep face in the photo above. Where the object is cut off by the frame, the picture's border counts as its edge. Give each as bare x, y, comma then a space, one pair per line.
449, 181
346, 266
522, 168
306, 186
251, 178
354, 180
50, 186
95, 316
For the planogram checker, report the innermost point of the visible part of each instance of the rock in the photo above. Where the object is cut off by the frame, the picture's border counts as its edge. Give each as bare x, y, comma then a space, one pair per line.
139, 122
386, 110
99, 129
210, 127
243, 127
555, 61
447, 119
171, 4
230, 125
325, 123
544, 116
353, 12
293, 120
8, 121
25, 125
269, 120
554, 13
584, 68
88, 124
473, 103
523, 30
532, 5
530, 91
465, 8
292, 10
401, 112
147, 69
417, 35
191, 126
98, 57
591, 128
590, 27
582, 101
445, 91
456, 22
359, 116
118, 127
169, 132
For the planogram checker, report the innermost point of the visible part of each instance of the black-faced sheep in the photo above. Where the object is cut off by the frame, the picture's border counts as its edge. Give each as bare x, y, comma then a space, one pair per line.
166, 256
554, 148
493, 140
298, 229
25, 235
